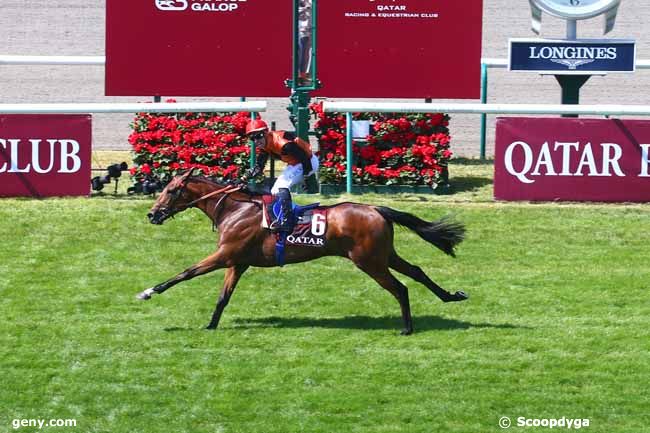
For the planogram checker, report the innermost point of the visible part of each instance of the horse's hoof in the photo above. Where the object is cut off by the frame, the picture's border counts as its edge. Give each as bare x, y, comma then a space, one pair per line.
461, 296
210, 328
406, 331
145, 296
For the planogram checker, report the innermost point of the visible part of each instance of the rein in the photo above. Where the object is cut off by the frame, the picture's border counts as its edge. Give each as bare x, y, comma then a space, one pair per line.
226, 190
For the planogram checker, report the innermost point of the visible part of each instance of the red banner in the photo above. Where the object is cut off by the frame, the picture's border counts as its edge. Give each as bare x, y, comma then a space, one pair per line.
572, 159
198, 47
400, 48
45, 155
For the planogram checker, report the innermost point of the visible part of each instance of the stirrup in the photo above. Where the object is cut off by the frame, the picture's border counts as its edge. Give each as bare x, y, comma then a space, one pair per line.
279, 226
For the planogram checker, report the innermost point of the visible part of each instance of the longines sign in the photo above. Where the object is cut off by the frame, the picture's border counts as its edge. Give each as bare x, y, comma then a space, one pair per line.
566, 56
44, 155
572, 159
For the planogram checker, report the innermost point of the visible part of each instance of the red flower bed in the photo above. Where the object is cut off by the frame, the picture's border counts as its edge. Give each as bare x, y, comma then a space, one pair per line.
210, 143
403, 149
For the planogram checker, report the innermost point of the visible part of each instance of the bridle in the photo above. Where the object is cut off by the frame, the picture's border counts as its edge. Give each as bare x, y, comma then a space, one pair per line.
227, 190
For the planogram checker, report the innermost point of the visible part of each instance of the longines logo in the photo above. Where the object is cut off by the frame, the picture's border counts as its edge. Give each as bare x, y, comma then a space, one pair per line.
199, 5
593, 55
573, 56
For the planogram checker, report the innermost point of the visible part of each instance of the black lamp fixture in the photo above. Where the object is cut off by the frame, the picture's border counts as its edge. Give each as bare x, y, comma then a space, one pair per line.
114, 172
148, 186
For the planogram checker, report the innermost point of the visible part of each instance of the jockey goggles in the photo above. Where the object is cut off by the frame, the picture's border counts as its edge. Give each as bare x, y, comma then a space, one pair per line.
257, 135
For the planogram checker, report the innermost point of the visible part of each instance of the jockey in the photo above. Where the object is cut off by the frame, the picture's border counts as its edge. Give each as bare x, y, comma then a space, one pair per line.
295, 152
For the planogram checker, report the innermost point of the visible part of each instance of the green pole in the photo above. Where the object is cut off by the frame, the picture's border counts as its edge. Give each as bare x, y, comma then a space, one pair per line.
314, 44
571, 85
295, 66
348, 151
299, 94
272, 157
484, 90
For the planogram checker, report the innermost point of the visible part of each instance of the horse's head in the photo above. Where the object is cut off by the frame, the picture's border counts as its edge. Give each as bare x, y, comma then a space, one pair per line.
173, 199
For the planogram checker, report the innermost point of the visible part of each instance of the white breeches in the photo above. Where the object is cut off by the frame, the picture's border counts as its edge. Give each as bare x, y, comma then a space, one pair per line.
293, 175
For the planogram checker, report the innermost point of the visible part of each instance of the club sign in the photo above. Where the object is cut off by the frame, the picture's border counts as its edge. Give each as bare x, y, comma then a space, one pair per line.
44, 155
572, 159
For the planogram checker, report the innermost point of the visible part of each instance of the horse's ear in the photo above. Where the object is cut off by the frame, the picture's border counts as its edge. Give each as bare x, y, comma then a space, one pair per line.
185, 176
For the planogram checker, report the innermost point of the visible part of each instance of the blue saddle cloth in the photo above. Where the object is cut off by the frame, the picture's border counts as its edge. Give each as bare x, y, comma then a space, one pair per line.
274, 210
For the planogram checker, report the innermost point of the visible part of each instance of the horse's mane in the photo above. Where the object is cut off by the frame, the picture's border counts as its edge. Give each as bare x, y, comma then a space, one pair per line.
216, 185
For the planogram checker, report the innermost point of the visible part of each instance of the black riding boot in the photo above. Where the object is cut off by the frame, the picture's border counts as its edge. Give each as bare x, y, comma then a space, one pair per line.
285, 222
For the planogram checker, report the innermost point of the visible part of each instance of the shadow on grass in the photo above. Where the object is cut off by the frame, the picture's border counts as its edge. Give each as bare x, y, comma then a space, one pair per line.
470, 161
468, 183
420, 323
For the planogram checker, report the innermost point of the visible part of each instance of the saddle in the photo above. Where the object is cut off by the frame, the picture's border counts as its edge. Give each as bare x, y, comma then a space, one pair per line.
309, 224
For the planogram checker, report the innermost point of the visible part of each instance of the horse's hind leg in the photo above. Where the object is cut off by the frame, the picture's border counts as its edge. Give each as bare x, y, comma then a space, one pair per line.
229, 283
412, 271
381, 274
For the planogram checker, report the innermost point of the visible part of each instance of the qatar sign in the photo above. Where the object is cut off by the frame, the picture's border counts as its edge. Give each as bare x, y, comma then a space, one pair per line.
45, 155
572, 159
400, 48
198, 47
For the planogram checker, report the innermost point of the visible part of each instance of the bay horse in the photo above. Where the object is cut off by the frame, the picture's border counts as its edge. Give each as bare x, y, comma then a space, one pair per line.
362, 233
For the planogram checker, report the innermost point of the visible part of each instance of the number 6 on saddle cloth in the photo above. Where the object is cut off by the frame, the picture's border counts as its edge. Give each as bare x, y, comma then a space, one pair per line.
308, 225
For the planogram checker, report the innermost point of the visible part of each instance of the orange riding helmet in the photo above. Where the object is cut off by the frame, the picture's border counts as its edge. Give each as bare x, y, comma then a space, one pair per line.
256, 125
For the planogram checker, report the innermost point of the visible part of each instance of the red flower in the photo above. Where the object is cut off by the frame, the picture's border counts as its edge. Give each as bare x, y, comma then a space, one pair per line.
373, 170
371, 154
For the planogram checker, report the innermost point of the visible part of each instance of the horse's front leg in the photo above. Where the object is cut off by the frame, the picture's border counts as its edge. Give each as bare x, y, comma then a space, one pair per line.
209, 264
229, 283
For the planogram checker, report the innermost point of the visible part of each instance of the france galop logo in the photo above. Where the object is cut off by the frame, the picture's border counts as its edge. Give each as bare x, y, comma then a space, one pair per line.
171, 5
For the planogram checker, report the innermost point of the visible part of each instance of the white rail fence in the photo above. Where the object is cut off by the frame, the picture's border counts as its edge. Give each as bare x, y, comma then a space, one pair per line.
482, 108
386, 107
117, 107
53, 60
110, 107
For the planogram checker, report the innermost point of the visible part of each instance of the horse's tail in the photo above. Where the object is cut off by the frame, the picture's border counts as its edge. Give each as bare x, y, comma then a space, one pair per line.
443, 233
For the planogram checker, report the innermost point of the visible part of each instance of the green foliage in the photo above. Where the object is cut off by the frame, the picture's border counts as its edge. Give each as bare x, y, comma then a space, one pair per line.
402, 149
210, 143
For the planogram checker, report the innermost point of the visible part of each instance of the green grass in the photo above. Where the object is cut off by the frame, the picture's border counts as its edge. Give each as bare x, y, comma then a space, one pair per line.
557, 323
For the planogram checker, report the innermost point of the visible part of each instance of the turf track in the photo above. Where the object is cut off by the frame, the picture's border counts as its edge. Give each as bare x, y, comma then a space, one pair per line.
557, 325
